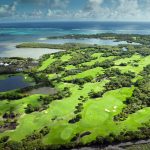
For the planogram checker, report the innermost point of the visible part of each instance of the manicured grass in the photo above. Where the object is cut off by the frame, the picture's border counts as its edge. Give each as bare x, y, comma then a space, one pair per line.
51, 76
46, 63
97, 55
90, 72
69, 67
144, 61
17, 105
128, 60
66, 57
137, 78
98, 59
27, 124
96, 120
135, 120
94, 117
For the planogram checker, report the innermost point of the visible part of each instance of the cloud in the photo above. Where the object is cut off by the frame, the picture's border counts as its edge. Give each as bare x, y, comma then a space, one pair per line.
100, 10
31, 1
57, 9
53, 4
127, 9
124, 10
93, 9
49, 13
93, 5
58, 4
37, 13
7, 10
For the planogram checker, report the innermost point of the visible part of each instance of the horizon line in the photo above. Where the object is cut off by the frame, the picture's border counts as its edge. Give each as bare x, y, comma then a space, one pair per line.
72, 21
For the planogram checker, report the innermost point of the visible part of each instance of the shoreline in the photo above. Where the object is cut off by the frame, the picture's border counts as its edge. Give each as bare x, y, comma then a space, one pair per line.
36, 53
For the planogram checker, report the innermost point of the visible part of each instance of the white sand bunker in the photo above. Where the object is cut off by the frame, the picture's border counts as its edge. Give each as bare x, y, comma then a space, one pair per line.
114, 109
45, 112
107, 110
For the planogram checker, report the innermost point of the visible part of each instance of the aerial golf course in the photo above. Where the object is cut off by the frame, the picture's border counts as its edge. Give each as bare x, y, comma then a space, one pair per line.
102, 96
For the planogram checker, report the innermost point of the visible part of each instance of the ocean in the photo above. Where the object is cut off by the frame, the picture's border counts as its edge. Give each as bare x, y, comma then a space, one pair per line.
12, 34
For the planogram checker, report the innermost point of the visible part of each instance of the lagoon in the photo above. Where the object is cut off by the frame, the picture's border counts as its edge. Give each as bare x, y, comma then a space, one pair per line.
10, 50
85, 41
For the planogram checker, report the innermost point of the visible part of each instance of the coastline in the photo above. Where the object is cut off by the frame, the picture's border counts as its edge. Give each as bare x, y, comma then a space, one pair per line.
12, 51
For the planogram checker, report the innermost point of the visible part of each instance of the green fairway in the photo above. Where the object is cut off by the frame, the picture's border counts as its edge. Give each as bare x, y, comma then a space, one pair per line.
128, 60
143, 61
94, 115
46, 63
65, 57
17, 106
69, 67
98, 59
91, 72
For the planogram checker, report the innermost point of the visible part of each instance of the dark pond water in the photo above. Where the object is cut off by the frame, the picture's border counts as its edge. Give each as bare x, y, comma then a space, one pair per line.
12, 83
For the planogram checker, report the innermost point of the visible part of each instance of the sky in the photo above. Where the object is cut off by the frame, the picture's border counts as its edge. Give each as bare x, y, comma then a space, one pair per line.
74, 10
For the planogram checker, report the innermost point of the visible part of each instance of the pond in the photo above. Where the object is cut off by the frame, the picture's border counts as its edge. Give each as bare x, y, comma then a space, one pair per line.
13, 82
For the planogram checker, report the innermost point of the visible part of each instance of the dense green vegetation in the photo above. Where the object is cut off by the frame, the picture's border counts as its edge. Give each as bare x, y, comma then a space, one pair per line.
66, 46
103, 97
137, 38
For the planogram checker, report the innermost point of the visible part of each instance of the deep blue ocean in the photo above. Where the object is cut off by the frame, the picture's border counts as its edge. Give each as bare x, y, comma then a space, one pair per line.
28, 31
14, 33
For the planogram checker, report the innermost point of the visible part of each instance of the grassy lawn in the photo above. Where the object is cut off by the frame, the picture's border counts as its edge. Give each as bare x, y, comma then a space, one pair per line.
65, 57
51, 76
98, 59
135, 120
90, 72
46, 63
144, 61
128, 60
69, 67
18, 105
94, 116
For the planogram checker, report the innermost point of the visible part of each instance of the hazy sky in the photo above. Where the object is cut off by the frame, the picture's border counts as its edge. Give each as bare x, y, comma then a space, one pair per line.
51, 10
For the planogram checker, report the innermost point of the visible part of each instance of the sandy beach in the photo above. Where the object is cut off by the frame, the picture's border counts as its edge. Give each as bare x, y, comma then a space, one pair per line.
12, 51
